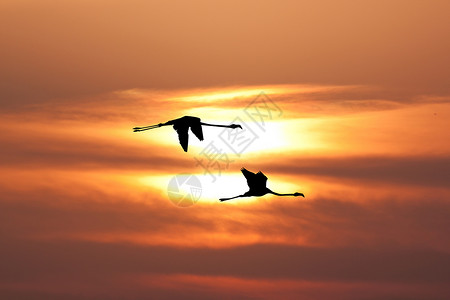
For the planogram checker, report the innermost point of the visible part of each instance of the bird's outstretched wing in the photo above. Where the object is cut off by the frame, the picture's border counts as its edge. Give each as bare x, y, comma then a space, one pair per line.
183, 137
250, 176
247, 174
261, 178
197, 130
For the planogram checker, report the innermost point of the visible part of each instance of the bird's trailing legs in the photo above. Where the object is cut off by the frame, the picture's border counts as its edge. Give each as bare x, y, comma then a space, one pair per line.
136, 129
225, 199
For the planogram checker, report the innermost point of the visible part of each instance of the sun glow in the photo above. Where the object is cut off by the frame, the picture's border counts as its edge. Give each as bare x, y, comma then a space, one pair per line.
224, 185
220, 94
212, 188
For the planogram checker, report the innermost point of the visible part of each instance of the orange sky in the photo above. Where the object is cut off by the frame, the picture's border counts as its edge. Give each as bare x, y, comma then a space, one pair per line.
362, 129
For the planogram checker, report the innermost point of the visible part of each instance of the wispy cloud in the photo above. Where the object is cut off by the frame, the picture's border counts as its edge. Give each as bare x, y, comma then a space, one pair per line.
78, 182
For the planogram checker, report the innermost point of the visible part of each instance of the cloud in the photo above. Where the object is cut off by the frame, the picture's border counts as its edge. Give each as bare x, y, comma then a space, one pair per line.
250, 262
78, 232
383, 170
188, 286
390, 247
101, 208
89, 153
117, 46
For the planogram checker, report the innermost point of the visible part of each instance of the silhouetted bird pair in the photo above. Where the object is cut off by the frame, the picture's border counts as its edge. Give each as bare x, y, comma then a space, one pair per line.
256, 182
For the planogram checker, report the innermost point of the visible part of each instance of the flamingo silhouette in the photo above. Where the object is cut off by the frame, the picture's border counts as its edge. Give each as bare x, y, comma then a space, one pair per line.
257, 184
182, 125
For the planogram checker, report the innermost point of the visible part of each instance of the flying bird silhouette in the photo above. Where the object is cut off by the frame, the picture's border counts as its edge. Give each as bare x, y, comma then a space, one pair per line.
182, 125
257, 184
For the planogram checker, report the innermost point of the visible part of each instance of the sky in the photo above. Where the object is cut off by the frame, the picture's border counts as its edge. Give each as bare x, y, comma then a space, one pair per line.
347, 102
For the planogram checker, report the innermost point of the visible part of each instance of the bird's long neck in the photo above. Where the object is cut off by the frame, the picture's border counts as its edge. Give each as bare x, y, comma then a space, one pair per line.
216, 125
277, 194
